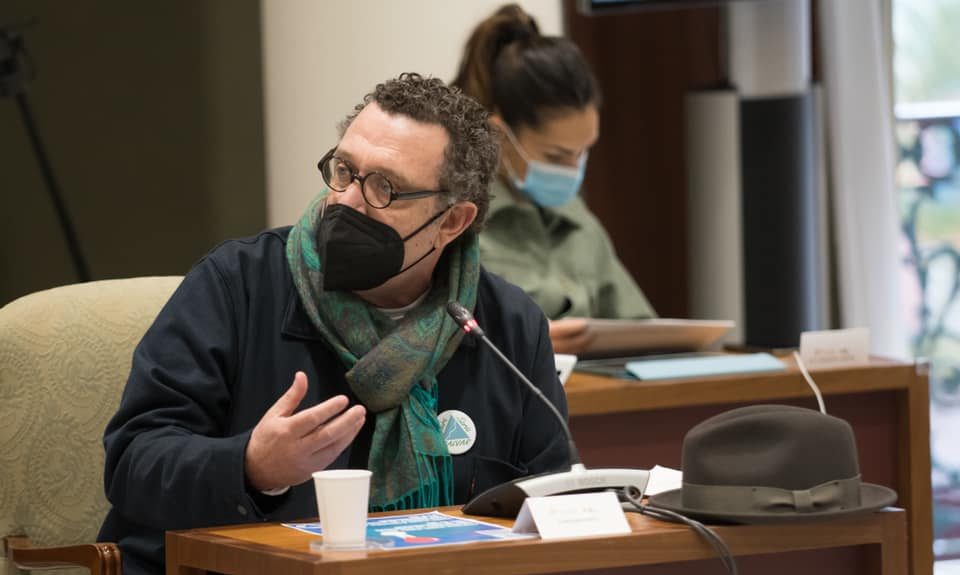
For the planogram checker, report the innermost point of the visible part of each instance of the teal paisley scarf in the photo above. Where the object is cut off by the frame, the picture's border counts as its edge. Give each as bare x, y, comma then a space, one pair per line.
392, 366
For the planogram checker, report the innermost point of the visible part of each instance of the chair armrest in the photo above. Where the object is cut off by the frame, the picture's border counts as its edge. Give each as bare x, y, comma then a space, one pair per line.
99, 558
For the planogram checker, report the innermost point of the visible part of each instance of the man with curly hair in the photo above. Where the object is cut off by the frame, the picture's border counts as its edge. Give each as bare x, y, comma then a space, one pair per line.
327, 345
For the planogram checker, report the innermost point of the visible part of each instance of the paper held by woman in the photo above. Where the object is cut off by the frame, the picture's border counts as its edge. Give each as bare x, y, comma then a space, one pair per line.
610, 337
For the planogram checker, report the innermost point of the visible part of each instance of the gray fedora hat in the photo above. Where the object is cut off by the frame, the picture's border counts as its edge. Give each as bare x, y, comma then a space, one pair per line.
771, 463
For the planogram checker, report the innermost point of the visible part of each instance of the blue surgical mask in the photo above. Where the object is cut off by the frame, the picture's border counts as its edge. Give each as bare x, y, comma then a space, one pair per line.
547, 185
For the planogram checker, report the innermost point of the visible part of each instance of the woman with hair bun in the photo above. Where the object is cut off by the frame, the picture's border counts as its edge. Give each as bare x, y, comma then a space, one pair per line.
539, 234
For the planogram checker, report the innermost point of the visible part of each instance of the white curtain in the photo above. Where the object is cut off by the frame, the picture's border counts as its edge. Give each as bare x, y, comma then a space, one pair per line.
860, 161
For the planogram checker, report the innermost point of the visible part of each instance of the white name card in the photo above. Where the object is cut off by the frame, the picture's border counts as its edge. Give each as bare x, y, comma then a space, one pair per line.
663, 479
579, 515
835, 347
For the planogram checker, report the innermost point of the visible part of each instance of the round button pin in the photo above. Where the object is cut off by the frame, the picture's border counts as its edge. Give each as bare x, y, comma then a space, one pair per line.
458, 431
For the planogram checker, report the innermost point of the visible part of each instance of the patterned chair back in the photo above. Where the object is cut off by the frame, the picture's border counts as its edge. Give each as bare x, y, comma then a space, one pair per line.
64, 359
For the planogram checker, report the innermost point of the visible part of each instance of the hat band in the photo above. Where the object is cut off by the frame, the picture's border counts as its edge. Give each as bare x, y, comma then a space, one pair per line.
830, 496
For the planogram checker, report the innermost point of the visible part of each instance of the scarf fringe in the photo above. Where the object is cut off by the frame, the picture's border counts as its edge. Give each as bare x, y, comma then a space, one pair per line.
434, 490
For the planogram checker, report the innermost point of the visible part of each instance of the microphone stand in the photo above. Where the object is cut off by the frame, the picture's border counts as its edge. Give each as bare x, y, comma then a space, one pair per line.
13, 82
506, 499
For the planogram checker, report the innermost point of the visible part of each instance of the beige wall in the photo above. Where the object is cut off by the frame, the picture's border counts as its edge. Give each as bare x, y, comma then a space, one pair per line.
152, 116
321, 57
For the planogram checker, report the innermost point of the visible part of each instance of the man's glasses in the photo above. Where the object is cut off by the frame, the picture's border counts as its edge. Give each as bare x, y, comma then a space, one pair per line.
376, 189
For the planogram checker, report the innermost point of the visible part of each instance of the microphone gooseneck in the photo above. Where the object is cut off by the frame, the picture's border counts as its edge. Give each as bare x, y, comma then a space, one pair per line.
469, 324
506, 499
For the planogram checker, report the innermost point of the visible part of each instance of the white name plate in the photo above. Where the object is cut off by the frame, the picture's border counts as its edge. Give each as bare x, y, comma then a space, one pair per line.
579, 515
835, 347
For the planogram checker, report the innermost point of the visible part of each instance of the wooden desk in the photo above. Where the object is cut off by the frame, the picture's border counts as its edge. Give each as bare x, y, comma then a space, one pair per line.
873, 543
639, 424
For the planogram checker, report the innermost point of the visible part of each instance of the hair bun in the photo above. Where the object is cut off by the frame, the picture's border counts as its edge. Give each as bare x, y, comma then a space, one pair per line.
504, 35
512, 24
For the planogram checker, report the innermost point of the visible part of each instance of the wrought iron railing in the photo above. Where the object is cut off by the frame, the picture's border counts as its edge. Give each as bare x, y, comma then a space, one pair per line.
928, 178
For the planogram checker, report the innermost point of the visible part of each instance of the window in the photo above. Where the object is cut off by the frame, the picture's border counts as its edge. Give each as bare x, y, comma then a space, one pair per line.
927, 91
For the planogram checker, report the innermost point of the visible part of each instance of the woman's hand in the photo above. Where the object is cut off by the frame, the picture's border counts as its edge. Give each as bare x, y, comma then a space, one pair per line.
570, 335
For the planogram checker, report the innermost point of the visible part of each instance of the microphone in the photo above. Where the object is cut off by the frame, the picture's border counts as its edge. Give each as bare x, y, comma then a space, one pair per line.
467, 323
506, 499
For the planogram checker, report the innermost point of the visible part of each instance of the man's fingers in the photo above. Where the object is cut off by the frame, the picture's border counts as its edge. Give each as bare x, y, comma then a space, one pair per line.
333, 451
289, 401
343, 427
309, 419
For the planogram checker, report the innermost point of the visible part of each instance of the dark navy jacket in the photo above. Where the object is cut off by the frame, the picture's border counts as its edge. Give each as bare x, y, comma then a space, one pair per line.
226, 347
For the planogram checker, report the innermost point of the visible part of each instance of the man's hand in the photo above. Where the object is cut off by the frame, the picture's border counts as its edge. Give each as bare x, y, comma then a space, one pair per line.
286, 448
570, 335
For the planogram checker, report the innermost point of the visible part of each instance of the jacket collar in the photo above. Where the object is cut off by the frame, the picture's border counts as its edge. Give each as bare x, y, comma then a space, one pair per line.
503, 200
296, 322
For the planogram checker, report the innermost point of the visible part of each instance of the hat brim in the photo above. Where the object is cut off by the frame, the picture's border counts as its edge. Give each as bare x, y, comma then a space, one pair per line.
872, 497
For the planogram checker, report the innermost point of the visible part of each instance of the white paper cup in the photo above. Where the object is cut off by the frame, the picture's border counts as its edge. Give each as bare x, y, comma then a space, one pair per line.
342, 498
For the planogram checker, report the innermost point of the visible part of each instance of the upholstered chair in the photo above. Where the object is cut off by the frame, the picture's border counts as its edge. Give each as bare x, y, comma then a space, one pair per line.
64, 359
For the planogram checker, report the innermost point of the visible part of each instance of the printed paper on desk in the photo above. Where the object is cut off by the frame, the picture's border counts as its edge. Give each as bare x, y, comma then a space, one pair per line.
565, 516
835, 347
430, 529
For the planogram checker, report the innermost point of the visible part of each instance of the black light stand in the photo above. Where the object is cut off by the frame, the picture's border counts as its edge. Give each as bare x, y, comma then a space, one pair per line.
15, 72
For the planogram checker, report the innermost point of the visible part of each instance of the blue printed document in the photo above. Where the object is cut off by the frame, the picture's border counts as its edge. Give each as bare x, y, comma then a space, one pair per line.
431, 529
704, 366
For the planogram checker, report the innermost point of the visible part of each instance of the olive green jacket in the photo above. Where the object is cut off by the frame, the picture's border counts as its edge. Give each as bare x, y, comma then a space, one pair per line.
562, 257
